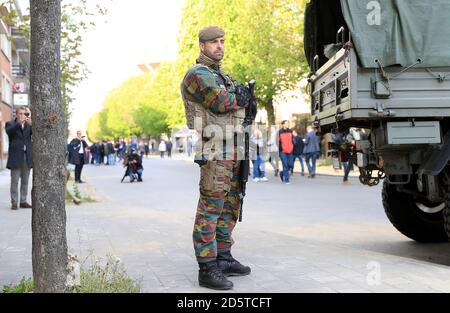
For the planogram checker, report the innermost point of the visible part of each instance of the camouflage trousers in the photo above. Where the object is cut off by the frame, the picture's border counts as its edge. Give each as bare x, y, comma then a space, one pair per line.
218, 209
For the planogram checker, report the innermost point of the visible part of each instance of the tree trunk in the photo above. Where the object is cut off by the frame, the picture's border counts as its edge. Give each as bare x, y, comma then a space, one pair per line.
49, 147
270, 112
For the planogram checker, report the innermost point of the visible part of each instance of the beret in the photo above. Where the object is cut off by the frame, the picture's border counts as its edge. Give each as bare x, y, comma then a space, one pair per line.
210, 33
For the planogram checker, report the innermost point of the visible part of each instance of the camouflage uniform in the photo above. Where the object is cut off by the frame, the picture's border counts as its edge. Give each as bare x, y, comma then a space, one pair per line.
218, 206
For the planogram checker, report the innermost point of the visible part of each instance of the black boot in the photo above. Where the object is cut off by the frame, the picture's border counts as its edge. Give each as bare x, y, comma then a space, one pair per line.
230, 266
210, 276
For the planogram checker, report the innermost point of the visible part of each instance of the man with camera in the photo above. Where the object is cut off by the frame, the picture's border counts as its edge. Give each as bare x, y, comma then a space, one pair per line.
213, 100
20, 159
77, 150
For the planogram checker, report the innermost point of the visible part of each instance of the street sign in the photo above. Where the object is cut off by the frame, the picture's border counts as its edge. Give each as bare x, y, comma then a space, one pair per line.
20, 99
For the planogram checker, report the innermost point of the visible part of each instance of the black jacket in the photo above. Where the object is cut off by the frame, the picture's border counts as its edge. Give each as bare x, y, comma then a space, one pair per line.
298, 145
134, 156
19, 144
74, 149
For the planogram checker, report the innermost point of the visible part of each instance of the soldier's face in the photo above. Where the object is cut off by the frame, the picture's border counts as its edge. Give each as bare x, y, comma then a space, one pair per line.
215, 49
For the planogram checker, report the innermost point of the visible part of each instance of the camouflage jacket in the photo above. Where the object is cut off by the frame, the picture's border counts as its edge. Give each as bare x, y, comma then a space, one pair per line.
205, 86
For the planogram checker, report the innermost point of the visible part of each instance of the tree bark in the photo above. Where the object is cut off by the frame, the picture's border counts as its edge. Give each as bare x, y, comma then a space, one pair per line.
49, 252
270, 112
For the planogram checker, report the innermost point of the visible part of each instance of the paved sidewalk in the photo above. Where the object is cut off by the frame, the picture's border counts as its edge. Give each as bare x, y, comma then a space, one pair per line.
154, 240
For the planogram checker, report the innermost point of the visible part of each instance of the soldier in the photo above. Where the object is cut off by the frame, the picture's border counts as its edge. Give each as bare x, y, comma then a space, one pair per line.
214, 104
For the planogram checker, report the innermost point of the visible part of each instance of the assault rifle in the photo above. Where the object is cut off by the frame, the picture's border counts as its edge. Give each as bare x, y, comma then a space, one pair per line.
250, 114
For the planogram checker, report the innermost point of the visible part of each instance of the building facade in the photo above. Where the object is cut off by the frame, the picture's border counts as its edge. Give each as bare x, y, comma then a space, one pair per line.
14, 74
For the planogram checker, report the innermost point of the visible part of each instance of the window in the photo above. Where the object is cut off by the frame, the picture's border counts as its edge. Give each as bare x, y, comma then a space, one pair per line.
5, 140
7, 90
5, 44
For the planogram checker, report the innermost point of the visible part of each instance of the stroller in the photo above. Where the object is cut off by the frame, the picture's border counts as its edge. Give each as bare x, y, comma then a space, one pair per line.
133, 168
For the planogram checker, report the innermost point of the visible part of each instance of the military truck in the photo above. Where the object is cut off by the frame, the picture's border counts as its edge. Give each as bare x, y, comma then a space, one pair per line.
384, 66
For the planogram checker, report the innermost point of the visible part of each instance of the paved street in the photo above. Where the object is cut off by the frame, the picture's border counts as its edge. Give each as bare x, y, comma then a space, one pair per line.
311, 236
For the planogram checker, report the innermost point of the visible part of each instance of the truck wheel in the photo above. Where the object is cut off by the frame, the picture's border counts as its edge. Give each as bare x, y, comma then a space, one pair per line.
447, 213
412, 219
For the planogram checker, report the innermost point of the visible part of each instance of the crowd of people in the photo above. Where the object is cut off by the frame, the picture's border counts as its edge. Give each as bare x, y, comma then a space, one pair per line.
287, 146
112, 153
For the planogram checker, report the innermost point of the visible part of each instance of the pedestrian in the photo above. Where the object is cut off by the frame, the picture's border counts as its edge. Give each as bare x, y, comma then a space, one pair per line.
93, 150
117, 151
147, 150
122, 149
346, 155
348, 150
134, 161
111, 153
209, 91
134, 144
101, 149
258, 156
20, 158
169, 147
298, 152
106, 150
162, 149
311, 151
272, 147
76, 155
105, 159
142, 149
189, 146
87, 152
286, 146
70, 168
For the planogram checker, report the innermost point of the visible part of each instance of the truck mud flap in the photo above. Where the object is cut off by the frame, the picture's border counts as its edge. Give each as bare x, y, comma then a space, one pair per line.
438, 159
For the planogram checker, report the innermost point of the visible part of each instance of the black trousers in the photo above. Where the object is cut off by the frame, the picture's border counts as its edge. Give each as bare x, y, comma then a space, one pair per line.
79, 167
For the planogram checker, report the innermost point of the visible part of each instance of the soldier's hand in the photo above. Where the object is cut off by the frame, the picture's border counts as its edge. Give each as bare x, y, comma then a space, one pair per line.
243, 96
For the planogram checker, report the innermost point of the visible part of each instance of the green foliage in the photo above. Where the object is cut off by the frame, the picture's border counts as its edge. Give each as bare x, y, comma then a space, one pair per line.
109, 278
100, 278
77, 18
120, 105
326, 163
88, 199
69, 197
94, 128
142, 105
76, 191
25, 286
264, 40
151, 120
163, 94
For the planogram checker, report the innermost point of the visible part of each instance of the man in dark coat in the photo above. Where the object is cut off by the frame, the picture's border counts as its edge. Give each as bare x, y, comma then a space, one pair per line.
20, 159
76, 155
299, 145
169, 147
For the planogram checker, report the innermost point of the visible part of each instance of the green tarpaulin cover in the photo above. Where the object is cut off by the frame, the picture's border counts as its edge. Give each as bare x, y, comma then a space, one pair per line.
399, 32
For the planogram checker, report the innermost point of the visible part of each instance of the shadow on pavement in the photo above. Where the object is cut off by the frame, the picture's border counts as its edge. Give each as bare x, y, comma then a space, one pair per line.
433, 253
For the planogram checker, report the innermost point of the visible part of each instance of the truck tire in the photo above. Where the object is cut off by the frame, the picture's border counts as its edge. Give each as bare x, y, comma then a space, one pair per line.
447, 213
407, 218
